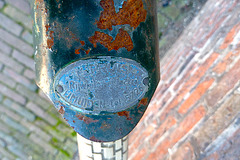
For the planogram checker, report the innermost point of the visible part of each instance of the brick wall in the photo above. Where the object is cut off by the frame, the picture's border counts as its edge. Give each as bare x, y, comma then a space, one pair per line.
195, 113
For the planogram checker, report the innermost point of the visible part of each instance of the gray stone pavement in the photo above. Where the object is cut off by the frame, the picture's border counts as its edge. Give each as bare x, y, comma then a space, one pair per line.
30, 127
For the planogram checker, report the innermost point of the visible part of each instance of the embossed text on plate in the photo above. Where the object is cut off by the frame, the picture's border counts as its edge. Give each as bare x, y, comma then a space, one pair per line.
109, 84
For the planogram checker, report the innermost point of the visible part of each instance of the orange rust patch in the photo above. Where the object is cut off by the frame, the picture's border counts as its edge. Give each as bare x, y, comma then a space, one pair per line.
86, 119
77, 51
82, 43
143, 101
47, 27
87, 51
50, 43
122, 39
50, 40
124, 113
132, 13
61, 110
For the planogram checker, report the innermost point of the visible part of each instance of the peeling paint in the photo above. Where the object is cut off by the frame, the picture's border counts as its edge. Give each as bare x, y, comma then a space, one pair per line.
132, 13
124, 113
143, 101
122, 39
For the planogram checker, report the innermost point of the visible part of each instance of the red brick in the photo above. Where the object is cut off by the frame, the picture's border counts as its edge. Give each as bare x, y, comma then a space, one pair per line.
184, 127
228, 59
225, 85
213, 30
230, 36
141, 154
186, 76
195, 96
166, 125
214, 156
185, 152
191, 82
134, 139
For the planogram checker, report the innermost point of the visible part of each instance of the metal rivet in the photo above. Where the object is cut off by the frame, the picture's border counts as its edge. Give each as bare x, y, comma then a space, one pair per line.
146, 81
59, 88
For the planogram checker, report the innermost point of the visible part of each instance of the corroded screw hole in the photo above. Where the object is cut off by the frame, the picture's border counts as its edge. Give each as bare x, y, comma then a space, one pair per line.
59, 88
146, 81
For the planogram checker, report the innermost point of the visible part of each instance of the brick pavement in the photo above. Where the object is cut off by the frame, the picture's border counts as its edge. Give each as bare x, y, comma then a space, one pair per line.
195, 112
30, 128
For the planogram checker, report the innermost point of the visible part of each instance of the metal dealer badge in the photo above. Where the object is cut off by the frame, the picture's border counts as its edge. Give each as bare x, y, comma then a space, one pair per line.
105, 84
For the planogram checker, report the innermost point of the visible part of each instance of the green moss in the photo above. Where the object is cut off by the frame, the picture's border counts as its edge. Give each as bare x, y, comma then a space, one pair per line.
74, 134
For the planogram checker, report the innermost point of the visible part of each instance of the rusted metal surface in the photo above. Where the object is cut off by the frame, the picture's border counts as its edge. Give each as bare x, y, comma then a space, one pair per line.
98, 62
122, 39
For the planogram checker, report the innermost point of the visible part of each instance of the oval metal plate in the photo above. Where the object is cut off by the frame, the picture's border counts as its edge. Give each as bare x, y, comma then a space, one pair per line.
105, 84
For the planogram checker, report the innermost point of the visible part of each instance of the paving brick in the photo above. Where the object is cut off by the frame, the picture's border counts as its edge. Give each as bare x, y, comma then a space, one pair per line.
27, 36
18, 16
33, 128
164, 127
224, 86
29, 74
2, 143
12, 95
184, 127
28, 146
33, 97
185, 152
70, 145
5, 48
4, 128
195, 96
6, 153
1, 4
230, 36
11, 63
21, 5
226, 145
41, 113
10, 113
16, 42
17, 150
14, 124
1, 66
223, 65
10, 25
57, 134
27, 61
1, 97
21, 110
8, 138
218, 122
7, 81
141, 154
189, 84
65, 129
20, 79
48, 148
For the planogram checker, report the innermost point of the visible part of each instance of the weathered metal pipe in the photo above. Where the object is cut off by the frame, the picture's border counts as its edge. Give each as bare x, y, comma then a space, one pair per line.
98, 62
